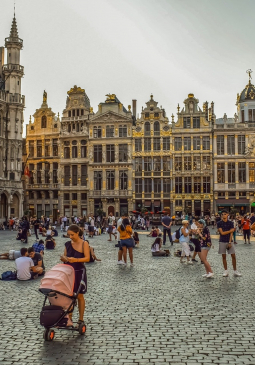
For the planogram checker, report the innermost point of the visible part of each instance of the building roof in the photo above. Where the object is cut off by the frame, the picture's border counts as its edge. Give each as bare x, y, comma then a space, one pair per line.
248, 93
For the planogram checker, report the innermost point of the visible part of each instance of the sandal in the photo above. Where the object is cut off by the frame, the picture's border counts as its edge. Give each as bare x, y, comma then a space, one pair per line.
78, 323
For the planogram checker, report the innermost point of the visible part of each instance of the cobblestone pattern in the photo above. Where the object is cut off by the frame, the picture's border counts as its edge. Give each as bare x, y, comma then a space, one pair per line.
158, 312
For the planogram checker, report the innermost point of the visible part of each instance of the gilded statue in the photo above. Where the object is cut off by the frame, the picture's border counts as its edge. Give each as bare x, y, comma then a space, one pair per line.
111, 98
44, 97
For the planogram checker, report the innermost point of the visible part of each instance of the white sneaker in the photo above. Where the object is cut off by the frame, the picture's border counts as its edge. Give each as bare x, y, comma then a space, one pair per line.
236, 273
225, 273
210, 275
190, 262
204, 276
131, 264
120, 262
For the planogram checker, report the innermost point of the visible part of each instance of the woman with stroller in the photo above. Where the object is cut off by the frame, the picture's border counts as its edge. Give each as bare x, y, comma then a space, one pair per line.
77, 251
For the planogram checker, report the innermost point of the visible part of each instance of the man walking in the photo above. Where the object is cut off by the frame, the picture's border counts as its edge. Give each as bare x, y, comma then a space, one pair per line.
166, 223
226, 229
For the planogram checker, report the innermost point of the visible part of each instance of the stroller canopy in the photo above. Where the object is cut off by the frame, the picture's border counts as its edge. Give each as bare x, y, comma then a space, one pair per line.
60, 278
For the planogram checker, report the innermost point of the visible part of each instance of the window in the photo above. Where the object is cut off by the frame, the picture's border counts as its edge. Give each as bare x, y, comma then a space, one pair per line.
197, 163
122, 131
55, 147
30, 195
44, 121
156, 115
251, 115
12, 176
187, 185
206, 143
109, 131
39, 173
83, 148
242, 116
252, 172
138, 186
196, 122
147, 185
147, 129
74, 196
47, 148
178, 143
98, 153
206, 185
178, 203
83, 195
178, 185
156, 128
187, 143
67, 175
166, 164
186, 122
196, 143
74, 150
66, 152
178, 163
206, 163
241, 145
156, 144
123, 153
31, 149
157, 186
74, 175
31, 169
231, 173
166, 186
242, 172
157, 164
55, 194
231, 145
39, 195
147, 164
138, 165
110, 153
147, 115
83, 175
47, 173
166, 143
69, 113
187, 163
242, 193
147, 144
138, 145
55, 173
123, 180
221, 172
110, 180
97, 132
39, 148
220, 145
197, 185
97, 180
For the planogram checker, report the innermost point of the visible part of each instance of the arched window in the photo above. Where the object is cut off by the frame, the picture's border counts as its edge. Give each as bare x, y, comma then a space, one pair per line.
44, 122
147, 129
156, 128
83, 148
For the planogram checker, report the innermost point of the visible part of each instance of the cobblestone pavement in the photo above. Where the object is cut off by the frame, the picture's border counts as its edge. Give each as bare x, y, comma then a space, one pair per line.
157, 312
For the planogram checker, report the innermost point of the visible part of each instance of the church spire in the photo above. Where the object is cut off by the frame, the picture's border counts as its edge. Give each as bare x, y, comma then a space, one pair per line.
14, 29
14, 35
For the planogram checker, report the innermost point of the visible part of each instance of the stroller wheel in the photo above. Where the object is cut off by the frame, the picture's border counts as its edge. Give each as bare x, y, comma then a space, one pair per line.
48, 334
82, 329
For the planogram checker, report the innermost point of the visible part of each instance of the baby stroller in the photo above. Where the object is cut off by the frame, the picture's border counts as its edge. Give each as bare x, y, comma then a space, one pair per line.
57, 286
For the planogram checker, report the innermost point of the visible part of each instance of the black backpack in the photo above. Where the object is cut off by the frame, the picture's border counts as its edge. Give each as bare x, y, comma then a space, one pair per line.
178, 234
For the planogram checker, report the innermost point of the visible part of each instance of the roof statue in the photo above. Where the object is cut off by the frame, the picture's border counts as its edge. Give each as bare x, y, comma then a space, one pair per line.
111, 98
44, 97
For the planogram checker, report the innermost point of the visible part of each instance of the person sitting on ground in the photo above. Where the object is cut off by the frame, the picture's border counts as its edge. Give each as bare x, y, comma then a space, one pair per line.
37, 260
50, 243
25, 266
54, 231
11, 255
39, 247
93, 257
44, 231
136, 238
19, 235
155, 248
153, 232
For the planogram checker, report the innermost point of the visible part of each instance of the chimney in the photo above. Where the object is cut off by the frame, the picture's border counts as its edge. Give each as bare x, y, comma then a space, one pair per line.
134, 108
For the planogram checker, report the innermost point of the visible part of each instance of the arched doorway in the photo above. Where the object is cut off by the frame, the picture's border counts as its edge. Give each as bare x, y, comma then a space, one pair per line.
111, 210
3, 207
15, 206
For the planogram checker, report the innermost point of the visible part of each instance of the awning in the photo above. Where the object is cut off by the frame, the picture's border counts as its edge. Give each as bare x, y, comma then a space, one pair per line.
147, 203
156, 203
253, 204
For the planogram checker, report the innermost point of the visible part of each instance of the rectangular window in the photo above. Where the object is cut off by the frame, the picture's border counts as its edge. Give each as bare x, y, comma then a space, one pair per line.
252, 172
166, 185
123, 180
187, 185
83, 151
206, 163
147, 164
66, 152
97, 132
242, 116
67, 175
74, 152
231, 144
187, 163
47, 173
241, 145
31, 148
206, 143
83, 175
138, 186
197, 163
55, 147
138, 145
98, 153
220, 145
196, 122
122, 131
197, 185
242, 172
166, 143
147, 144
166, 164
156, 144
74, 175
39, 173
178, 185
31, 172
110, 153
178, 143
39, 148
187, 143
157, 164
110, 179
147, 185
178, 203
138, 165
178, 163
83, 196
206, 185
47, 148
231, 172
55, 173
251, 115
221, 172
109, 131
157, 185
196, 143
186, 122
74, 196
123, 153
97, 180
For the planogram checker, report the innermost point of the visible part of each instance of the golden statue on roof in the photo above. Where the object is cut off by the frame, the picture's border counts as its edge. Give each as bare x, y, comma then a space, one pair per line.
249, 72
111, 98
75, 90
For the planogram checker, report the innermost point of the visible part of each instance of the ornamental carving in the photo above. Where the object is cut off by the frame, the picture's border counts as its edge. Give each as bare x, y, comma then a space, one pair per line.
137, 134
250, 148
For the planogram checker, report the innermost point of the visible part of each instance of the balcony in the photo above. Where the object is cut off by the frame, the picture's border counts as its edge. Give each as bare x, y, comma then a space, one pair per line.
232, 186
15, 98
109, 193
14, 40
13, 67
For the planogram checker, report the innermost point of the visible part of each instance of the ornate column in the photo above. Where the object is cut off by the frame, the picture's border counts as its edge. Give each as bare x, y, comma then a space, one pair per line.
116, 152
104, 153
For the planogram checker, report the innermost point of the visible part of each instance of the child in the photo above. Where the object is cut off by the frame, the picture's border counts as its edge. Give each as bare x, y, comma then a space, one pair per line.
136, 238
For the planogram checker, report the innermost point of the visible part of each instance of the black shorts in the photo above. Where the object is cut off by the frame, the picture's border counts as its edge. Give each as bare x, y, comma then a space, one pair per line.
196, 243
110, 229
91, 228
246, 233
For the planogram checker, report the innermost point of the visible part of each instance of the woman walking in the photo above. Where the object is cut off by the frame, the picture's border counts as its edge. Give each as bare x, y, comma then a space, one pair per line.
126, 240
205, 241
184, 241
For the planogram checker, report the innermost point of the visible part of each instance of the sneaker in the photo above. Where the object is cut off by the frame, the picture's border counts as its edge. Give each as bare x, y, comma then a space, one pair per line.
236, 273
204, 276
210, 275
120, 262
194, 260
225, 273
190, 262
131, 264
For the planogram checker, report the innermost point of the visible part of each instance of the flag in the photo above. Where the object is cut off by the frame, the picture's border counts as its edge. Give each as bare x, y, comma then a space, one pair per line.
26, 172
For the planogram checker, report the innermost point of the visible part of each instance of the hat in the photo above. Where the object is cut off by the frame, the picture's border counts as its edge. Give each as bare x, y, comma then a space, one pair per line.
202, 222
185, 221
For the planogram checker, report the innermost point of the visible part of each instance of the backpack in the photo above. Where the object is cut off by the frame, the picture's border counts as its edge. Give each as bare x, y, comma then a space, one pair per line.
178, 234
9, 275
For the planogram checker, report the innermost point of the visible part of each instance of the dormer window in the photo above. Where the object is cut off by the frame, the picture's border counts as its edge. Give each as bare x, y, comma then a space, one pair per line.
151, 109
147, 115
156, 115
147, 129
186, 122
44, 122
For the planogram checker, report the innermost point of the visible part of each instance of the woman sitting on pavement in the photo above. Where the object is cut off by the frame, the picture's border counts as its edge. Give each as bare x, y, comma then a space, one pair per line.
50, 243
206, 243
153, 232
156, 246
126, 240
184, 241
93, 257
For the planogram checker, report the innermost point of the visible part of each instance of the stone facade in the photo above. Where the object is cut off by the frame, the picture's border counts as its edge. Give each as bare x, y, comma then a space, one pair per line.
12, 104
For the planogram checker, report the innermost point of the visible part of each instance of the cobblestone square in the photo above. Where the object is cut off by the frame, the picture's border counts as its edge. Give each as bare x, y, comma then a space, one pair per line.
157, 312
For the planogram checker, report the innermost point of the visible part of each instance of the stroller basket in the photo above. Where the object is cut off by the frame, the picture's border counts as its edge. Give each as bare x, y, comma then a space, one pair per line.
52, 314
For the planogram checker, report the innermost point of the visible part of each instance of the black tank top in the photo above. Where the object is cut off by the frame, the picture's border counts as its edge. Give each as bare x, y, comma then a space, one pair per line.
71, 252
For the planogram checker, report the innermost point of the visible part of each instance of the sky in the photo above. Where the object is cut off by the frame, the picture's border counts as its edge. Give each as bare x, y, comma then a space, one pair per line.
133, 48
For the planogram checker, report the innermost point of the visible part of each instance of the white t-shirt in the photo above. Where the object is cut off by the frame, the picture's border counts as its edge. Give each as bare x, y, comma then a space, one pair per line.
155, 248
193, 227
111, 219
92, 222
23, 265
